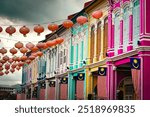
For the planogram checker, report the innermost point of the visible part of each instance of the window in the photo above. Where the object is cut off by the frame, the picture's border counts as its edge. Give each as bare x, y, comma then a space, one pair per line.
77, 50
125, 29
92, 44
61, 57
136, 23
98, 39
105, 36
64, 55
117, 33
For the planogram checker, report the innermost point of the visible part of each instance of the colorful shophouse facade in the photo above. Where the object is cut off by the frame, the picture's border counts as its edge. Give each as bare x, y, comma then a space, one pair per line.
106, 58
129, 52
97, 49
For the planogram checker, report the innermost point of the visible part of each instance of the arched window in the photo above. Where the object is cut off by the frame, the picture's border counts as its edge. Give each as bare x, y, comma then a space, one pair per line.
136, 22
92, 43
105, 35
125, 28
117, 33
98, 39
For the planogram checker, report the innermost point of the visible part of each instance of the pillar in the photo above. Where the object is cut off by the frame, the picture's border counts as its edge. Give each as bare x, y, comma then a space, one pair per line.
144, 54
120, 50
111, 81
102, 40
95, 44
110, 50
144, 23
130, 46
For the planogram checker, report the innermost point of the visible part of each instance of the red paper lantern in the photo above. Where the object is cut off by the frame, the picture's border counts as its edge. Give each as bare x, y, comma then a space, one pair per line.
7, 66
39, 53
13, 51
52, 27
20, 64
40, 45
23, 58
81, 20
14, 65
1, 68
29, 45
68, 24
28, 61
19, 45
6, 72
24, 30
1, 29
1, 64
1, 73
31, 57
18, 59
6, 58
12, 70
45, 46
2, 61
14, 58
10, 60
59, 40
34, 49
38, 29
50, 43
18, 68
10, 30
34, 54
97, 14
23, 50
3, 51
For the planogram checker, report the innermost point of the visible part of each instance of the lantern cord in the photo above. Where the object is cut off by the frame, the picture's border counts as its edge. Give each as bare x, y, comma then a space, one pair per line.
29, 24
16, 40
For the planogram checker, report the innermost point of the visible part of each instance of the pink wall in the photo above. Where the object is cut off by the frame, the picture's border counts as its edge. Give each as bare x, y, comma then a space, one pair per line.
42, 94
101, 87
80, 90
51, 93
145, 77
63, 91
23, 96
18, 96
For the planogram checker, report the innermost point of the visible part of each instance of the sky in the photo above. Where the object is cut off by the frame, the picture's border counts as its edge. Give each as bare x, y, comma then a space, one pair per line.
31, 12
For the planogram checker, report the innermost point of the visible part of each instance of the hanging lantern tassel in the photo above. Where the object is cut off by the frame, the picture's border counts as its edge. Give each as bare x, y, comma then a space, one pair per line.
39, 29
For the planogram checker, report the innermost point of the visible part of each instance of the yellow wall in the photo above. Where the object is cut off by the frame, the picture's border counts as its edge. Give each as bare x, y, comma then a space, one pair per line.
92, 21
99, 5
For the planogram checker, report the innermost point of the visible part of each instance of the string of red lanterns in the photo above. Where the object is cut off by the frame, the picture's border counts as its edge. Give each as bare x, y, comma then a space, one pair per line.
52, 27
10, 64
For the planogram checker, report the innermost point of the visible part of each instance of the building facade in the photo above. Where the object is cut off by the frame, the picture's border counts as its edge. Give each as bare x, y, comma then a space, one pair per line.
128, 49
106, 58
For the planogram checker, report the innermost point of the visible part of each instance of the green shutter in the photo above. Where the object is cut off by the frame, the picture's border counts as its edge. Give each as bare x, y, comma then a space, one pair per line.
125, 29
136, 23
117, 34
